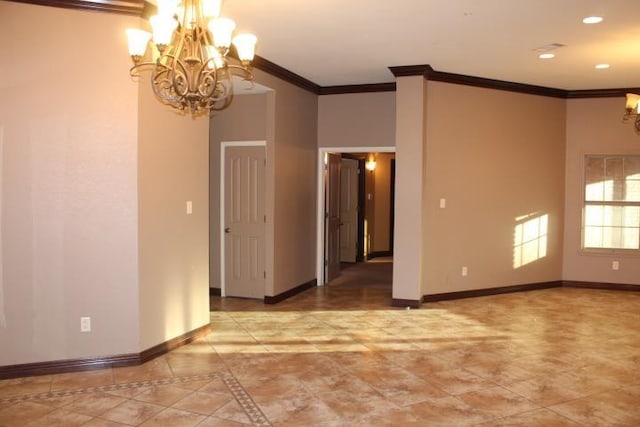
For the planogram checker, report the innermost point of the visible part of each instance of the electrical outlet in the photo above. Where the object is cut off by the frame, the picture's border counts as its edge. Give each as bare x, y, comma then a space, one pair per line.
464, 271
85, 324
615, 265
443, 203
189, 207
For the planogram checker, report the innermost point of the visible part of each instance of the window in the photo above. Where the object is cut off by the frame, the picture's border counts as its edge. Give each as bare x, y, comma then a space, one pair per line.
611, 215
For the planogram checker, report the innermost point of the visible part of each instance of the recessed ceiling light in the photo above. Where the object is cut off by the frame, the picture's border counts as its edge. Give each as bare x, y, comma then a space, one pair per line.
592, 20
602, 66
546, 56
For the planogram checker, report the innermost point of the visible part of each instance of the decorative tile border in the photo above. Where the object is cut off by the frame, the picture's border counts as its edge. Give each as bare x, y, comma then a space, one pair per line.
243, 398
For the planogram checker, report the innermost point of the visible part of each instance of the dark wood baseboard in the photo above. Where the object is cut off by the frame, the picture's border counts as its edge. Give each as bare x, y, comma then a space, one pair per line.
602, 286
70, 365
379, 254
291, 292
215, 292
412, 303
172, 344
491, 291
88, 364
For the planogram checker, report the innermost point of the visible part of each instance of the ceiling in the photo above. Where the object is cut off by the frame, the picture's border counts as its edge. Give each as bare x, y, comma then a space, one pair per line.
348, 42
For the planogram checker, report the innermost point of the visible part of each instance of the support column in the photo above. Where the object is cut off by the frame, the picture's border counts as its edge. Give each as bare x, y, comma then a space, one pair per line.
411, 97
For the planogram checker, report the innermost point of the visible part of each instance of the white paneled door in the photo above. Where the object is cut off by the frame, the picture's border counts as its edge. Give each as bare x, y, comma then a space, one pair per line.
244, 226
332, 210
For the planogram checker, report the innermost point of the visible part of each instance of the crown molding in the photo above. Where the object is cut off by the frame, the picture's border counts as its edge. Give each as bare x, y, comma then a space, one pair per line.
363, 88
411, 70
601, 93
122, 7
275, 70
440, 76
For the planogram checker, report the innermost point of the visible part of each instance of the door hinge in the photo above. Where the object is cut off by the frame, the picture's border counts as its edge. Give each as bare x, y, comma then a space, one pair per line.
265, 274
326, 262
265, 219
358, 171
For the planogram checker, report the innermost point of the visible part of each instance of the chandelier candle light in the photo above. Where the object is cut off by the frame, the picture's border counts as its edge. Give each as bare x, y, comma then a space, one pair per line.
192, 70
633, 109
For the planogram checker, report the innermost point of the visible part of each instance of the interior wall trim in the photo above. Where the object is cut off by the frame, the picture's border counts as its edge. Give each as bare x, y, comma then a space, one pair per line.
600, 285
215, 292
122, 7
275, 70
92, 363
291, 292
363, 88
491, 291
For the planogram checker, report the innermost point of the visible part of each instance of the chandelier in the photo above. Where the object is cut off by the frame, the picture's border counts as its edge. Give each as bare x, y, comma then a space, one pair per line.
191, 69
633, 110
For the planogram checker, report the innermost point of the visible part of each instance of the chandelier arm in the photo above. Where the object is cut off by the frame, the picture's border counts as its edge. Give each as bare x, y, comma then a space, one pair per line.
163, 88
242, 71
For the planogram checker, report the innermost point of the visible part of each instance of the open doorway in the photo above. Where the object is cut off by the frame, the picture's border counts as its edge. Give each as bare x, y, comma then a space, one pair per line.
348, 201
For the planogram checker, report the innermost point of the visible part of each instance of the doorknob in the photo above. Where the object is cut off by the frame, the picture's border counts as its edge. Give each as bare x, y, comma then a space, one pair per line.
227, 230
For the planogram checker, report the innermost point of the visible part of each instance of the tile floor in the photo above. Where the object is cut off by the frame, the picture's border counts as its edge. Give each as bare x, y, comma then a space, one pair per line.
340, 356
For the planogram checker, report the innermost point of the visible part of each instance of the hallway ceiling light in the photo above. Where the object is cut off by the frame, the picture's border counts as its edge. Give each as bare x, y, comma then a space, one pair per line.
191, 69
633, 110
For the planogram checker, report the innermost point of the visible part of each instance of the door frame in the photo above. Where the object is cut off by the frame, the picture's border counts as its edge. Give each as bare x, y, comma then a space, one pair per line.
223, 147
320, 232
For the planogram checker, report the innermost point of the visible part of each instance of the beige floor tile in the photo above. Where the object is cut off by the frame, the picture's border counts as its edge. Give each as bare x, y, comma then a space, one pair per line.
21, 386
458, 381
220, 422
448, 412
535, 418
19, 414
543, 391
94, 404
80, 380
172, 417
60, 418
132, 412
99, 422
232, 411
152, 370
203, 403
497, 402
165, 395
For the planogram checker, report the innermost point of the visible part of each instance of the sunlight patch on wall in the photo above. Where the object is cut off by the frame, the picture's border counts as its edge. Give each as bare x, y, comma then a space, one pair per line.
530, 239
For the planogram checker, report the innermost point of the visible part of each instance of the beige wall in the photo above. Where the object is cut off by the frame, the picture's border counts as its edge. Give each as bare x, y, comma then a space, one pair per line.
409, 229
594, 126
357, 120
173, 168
289, 125
68, 201
95, 175
244, 120
498, 163
295, 153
